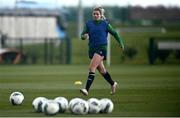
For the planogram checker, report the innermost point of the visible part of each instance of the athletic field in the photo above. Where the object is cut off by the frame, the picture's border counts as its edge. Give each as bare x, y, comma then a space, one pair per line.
143, 90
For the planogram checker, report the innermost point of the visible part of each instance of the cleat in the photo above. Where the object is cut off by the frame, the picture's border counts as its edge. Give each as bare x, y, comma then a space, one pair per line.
84, 92
113, 88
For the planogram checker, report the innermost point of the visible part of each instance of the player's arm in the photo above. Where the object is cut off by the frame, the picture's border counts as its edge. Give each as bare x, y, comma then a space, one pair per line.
113, 32
84, 34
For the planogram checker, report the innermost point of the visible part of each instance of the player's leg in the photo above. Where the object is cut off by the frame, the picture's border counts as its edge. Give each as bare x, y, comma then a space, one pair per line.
95, 61
107, 77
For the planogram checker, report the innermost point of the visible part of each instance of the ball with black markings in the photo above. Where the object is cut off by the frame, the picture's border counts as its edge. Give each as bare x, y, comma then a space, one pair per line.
106, 105
16, 98
94, 105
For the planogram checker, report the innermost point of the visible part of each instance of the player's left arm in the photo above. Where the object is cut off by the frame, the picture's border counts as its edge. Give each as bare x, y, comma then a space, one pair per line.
113, 32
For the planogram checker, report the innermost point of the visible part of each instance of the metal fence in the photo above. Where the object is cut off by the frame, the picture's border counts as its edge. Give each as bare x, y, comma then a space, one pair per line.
40, 51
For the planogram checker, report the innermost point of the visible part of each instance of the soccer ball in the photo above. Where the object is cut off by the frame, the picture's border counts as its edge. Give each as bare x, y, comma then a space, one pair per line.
107, 105
16, 98
72, 102
63, 104
94, 105
51, 107
37, 103
79, 106
43, 105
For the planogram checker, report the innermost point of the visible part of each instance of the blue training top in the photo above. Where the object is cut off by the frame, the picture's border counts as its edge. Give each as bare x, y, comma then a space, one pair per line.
98, 32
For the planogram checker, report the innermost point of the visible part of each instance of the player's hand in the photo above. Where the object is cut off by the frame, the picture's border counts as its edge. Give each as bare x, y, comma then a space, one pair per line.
85, 36
122, 48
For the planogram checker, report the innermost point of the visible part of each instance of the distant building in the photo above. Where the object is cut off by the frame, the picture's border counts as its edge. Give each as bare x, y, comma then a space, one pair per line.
159, 13
29, 23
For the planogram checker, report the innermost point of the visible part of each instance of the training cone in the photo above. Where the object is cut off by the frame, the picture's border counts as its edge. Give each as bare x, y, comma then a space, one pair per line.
77, 82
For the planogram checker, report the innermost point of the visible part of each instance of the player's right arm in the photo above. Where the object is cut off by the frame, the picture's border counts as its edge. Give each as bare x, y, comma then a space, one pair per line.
84, 34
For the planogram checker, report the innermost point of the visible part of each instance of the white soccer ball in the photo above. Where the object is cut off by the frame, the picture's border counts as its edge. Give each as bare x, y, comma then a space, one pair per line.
16, 98
73, 101
51, 107
37, 103
107, 105
43, 105
63, 104
94, 105
79, 106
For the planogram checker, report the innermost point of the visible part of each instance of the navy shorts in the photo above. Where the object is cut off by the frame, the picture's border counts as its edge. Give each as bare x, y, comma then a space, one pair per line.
99, 51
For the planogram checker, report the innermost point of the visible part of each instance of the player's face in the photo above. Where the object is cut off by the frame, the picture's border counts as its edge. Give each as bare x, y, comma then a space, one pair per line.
96, 15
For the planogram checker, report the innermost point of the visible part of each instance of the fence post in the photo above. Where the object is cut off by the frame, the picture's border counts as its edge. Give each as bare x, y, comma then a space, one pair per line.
152, 51
61, 52
68, 50
21, 45
3, 40
45, 50
51, 51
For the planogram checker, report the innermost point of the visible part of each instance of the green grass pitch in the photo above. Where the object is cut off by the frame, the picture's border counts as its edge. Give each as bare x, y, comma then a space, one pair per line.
143, 90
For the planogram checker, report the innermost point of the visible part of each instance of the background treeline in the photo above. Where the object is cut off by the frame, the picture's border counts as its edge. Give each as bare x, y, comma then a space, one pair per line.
130, 14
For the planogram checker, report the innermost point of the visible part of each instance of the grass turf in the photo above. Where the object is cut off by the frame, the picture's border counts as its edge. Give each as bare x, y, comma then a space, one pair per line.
143, 90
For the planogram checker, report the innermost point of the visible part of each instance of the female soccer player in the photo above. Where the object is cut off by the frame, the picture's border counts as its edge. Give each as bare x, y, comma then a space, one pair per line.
96, 31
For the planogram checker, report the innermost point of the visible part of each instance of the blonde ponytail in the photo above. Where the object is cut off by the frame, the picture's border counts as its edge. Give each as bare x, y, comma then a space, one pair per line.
102, 13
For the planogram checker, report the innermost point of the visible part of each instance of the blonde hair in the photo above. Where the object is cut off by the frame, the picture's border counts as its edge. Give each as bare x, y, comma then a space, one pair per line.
101, 10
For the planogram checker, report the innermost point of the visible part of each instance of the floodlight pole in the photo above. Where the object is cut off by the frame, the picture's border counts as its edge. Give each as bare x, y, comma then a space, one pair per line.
80, 18
108, 61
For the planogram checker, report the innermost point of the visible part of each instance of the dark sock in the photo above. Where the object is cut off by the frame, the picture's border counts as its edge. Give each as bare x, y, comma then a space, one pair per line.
90, 80
108, 78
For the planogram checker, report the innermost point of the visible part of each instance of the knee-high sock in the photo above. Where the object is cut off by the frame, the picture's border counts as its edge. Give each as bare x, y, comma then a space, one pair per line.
90, 80
108, 78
